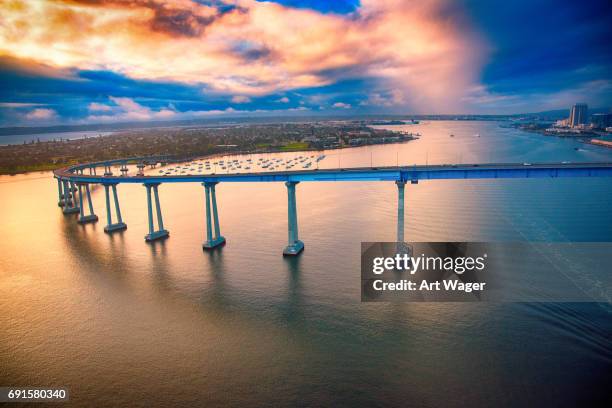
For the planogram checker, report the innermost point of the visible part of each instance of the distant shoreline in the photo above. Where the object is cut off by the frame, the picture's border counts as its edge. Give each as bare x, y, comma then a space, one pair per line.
586, 138
46, 168
20, 139
235, 121
190, 143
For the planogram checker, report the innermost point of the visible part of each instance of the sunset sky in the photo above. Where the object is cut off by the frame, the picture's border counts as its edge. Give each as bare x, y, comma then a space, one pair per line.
100, 61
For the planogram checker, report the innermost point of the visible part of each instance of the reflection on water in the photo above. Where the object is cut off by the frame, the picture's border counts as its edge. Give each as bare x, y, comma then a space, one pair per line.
122, 322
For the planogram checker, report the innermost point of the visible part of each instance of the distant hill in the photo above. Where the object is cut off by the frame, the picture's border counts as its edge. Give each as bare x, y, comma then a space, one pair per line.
226, 121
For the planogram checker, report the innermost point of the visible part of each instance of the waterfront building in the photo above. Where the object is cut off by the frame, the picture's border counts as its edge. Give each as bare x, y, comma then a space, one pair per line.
601, 120
578, 115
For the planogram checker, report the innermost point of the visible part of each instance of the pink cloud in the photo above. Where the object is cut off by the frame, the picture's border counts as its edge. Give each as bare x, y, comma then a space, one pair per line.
41, 114
241, 99
98, 107
121, 115
341, 105
415, 47
126, 109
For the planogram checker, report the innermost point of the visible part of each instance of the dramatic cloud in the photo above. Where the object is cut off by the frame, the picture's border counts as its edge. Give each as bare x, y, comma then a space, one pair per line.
98, 107
597, 92
394, 97
421, 49
41, 114
127, 110
341, 105
241, 99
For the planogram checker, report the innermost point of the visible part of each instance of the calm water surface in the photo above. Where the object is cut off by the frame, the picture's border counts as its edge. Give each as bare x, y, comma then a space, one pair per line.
124, 323
45, 137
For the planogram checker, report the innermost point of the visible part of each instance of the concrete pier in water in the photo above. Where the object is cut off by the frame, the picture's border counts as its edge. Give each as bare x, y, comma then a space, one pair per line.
160, 233
212, 241
70, 206
91, 217
294, 245
119, 225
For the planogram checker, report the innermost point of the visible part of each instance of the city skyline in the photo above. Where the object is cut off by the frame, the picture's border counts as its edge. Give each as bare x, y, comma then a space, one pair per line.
82, 61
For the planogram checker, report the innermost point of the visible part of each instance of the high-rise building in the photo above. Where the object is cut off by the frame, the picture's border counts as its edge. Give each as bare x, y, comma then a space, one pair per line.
578, 115
601, 120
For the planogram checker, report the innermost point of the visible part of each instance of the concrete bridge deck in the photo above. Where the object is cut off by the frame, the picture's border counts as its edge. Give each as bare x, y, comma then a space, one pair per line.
399, 173
73, 180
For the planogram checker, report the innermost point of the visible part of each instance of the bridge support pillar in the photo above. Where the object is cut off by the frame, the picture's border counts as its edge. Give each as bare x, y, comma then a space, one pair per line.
401, 184
70, 206
161, 232
120, 225
84, 219
211, 200
401, 246
61, 202
294, 245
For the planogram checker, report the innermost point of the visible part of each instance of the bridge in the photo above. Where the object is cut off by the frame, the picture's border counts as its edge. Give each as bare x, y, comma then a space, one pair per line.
75, 180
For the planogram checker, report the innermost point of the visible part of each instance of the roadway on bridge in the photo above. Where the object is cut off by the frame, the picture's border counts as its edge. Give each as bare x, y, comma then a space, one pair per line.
396, 173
